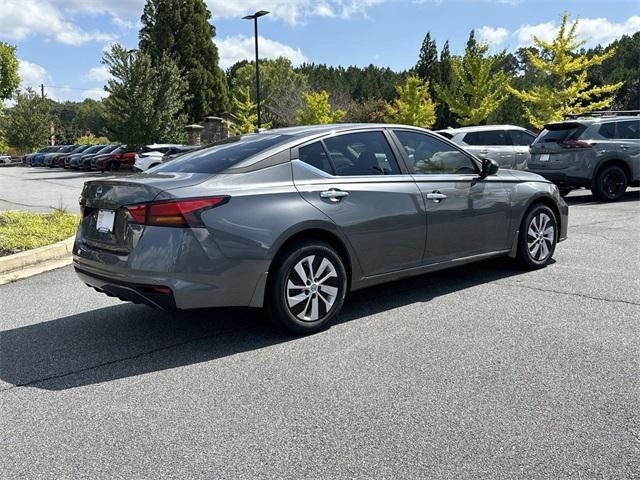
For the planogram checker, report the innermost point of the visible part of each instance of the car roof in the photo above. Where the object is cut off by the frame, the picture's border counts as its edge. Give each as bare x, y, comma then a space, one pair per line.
481, 128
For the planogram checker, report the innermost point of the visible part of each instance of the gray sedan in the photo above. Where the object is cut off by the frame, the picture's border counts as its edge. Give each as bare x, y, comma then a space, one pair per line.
292, 219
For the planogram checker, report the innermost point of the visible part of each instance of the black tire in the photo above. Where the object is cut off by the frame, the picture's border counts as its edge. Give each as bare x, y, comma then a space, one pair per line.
565, 191
528, 256
113, 166
610, 184
280, 298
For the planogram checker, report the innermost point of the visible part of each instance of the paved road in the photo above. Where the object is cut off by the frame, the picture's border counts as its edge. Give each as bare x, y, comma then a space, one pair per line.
479, 372
42, 189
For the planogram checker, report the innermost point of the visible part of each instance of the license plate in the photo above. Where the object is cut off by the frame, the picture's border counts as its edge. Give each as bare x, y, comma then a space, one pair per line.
105, 221
544, 157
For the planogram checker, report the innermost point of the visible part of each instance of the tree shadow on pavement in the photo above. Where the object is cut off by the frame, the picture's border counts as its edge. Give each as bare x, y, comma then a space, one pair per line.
128, 340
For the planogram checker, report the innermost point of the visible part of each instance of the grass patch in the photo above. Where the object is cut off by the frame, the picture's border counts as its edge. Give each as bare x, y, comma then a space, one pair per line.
21, 231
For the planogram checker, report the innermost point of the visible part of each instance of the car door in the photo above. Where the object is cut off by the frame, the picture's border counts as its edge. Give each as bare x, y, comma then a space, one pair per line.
628, 145
355, 179
493, 144
466, 215
521, 140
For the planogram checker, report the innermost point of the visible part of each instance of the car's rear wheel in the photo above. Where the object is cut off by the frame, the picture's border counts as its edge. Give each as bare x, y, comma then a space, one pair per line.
610, 184
307, 287
538, 237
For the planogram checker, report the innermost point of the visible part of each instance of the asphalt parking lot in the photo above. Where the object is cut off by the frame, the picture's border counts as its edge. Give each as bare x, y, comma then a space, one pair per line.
43, 189
484, 371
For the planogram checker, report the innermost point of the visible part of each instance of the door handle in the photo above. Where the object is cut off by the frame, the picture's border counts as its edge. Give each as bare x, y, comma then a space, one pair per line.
520, 153
334, 194
624, 147
436, 196
484, 151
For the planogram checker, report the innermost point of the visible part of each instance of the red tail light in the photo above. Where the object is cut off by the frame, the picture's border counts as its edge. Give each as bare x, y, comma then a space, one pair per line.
575, 144
174, 213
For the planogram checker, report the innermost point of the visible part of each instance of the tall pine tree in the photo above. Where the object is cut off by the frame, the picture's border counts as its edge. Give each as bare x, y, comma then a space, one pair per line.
427, 67
181, 29
444, 116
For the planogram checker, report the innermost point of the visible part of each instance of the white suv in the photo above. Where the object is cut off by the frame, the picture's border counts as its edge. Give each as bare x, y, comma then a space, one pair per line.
151, 155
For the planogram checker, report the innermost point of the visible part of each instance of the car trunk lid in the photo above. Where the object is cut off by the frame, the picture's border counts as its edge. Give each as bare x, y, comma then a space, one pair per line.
106, 223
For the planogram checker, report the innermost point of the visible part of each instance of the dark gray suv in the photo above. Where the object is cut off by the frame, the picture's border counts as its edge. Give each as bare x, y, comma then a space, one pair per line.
601, 153
293, 219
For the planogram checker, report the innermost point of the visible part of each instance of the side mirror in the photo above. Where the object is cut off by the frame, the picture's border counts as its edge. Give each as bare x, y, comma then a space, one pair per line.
489, 167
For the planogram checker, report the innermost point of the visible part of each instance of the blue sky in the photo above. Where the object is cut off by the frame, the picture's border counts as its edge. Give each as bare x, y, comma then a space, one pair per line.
60, 42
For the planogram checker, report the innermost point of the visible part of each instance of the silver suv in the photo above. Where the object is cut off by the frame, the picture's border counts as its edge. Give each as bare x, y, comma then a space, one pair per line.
506, 144
600, 153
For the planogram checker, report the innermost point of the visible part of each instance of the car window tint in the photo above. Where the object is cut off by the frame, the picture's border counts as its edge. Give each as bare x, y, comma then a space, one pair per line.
607, 130
521, 138
561, 132
431, 155
224, 154
362, 153
314, 155
629, 129
490, 137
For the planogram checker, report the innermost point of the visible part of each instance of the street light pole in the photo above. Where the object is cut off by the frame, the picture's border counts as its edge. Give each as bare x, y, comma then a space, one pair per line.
255, 17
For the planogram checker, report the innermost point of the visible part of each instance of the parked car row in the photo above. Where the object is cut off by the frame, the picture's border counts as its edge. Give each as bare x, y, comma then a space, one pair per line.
103, 157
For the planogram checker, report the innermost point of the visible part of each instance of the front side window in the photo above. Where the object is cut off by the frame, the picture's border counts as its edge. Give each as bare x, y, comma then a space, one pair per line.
431, 155
362, 153
490, 137
628, 129
521, 138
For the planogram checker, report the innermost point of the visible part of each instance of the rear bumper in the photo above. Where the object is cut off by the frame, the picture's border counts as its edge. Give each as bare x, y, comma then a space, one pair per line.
129, 292
196, 272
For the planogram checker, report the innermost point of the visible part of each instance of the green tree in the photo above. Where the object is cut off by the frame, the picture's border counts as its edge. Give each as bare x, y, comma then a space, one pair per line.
91, 139
91, 117
413, 106
145, 100
181, 30
9, 79
444, 117
28, 121
564, 87
245, 114
427, 68
317, 109
478, 88
281, 88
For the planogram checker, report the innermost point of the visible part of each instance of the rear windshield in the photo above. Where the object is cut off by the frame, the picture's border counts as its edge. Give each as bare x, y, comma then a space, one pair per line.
224, 154
560, 132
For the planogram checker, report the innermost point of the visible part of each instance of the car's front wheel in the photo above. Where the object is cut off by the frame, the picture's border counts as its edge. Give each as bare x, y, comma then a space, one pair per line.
610, 184
538, 237
307, 288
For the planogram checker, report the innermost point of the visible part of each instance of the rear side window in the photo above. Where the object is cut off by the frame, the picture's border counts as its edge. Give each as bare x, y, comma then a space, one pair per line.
315, 155
362, 153
607, 130
561, 132
628, 129
491, 137
521, 138
224, 154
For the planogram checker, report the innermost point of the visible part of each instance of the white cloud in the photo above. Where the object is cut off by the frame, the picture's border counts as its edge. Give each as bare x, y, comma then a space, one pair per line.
594, 30
493, 36
97, 74
95, 93
239, 47
32, 74
21, 18
292, 11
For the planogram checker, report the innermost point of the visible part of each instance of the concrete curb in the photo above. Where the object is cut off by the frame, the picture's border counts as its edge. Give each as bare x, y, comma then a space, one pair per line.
22, 260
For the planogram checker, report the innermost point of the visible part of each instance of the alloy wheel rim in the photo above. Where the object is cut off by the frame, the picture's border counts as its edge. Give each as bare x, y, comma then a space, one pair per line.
312, 288
612, 183
540, 237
